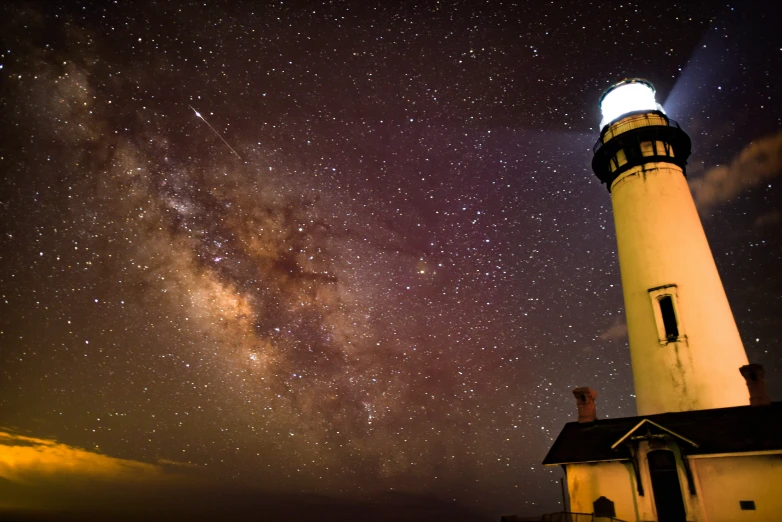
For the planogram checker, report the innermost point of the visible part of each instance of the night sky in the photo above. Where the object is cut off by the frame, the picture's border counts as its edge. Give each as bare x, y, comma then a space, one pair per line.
373, 298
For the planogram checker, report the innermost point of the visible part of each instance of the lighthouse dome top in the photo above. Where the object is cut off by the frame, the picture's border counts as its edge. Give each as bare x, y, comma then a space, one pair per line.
629, 95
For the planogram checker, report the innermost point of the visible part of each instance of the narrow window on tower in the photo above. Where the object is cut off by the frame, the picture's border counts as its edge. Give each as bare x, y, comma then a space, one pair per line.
669, 318
664, 301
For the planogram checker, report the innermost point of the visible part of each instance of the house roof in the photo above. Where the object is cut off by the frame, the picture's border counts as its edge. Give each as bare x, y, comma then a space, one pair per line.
721, 430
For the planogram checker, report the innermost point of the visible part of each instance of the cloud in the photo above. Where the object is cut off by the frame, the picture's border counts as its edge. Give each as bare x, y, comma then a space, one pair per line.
615, 332
45, 480
759, 162
29, 459
768, 219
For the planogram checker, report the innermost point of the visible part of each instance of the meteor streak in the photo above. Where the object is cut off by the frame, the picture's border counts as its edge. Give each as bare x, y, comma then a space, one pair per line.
198, 114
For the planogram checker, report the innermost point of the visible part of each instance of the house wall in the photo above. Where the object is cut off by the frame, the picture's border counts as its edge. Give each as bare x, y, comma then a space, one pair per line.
720, 482
724, 481
613, 480
616, 481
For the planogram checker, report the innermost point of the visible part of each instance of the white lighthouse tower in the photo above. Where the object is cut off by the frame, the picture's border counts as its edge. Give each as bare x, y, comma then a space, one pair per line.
704, 446
685, 347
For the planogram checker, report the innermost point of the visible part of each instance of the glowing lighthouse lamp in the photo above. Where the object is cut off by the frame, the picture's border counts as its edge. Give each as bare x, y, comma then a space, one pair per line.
684, 344
627, 97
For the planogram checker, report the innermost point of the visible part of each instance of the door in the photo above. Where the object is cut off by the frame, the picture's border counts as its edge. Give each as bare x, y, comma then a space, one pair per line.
665, 486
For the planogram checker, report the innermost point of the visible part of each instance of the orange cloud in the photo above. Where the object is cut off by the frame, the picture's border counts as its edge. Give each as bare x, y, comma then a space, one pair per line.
28, 459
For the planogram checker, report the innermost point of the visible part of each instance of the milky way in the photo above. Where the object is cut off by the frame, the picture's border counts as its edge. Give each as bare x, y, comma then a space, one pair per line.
398, 275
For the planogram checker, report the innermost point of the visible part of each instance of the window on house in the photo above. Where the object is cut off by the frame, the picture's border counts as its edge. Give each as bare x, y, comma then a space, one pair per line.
669, 318
747, 505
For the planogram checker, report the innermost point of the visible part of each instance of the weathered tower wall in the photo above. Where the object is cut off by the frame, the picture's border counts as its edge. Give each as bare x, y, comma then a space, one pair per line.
684, 344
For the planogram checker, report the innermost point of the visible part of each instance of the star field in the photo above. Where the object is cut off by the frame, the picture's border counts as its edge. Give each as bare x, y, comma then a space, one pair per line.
398, 275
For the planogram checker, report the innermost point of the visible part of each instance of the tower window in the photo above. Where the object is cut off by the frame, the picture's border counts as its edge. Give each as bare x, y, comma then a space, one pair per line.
669, 318
663, 148
667, 315
620, 158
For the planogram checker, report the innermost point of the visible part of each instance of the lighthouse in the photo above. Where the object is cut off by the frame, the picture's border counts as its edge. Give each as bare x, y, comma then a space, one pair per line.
684, 344
705, 445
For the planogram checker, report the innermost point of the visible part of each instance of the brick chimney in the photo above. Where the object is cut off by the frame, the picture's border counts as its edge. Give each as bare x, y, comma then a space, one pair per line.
756, 382
585, 399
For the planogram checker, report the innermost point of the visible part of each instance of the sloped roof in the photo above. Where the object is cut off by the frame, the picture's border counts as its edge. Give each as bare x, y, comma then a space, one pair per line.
721, 430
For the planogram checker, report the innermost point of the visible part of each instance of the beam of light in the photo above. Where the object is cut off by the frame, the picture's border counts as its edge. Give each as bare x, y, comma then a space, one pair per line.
198, 114
710, 68
714, 77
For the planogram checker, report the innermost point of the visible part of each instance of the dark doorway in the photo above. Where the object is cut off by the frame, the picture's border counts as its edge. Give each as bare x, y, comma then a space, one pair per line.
666, 487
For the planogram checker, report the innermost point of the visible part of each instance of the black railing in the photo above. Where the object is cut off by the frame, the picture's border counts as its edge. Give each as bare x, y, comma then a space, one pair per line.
630, 124
567, 516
